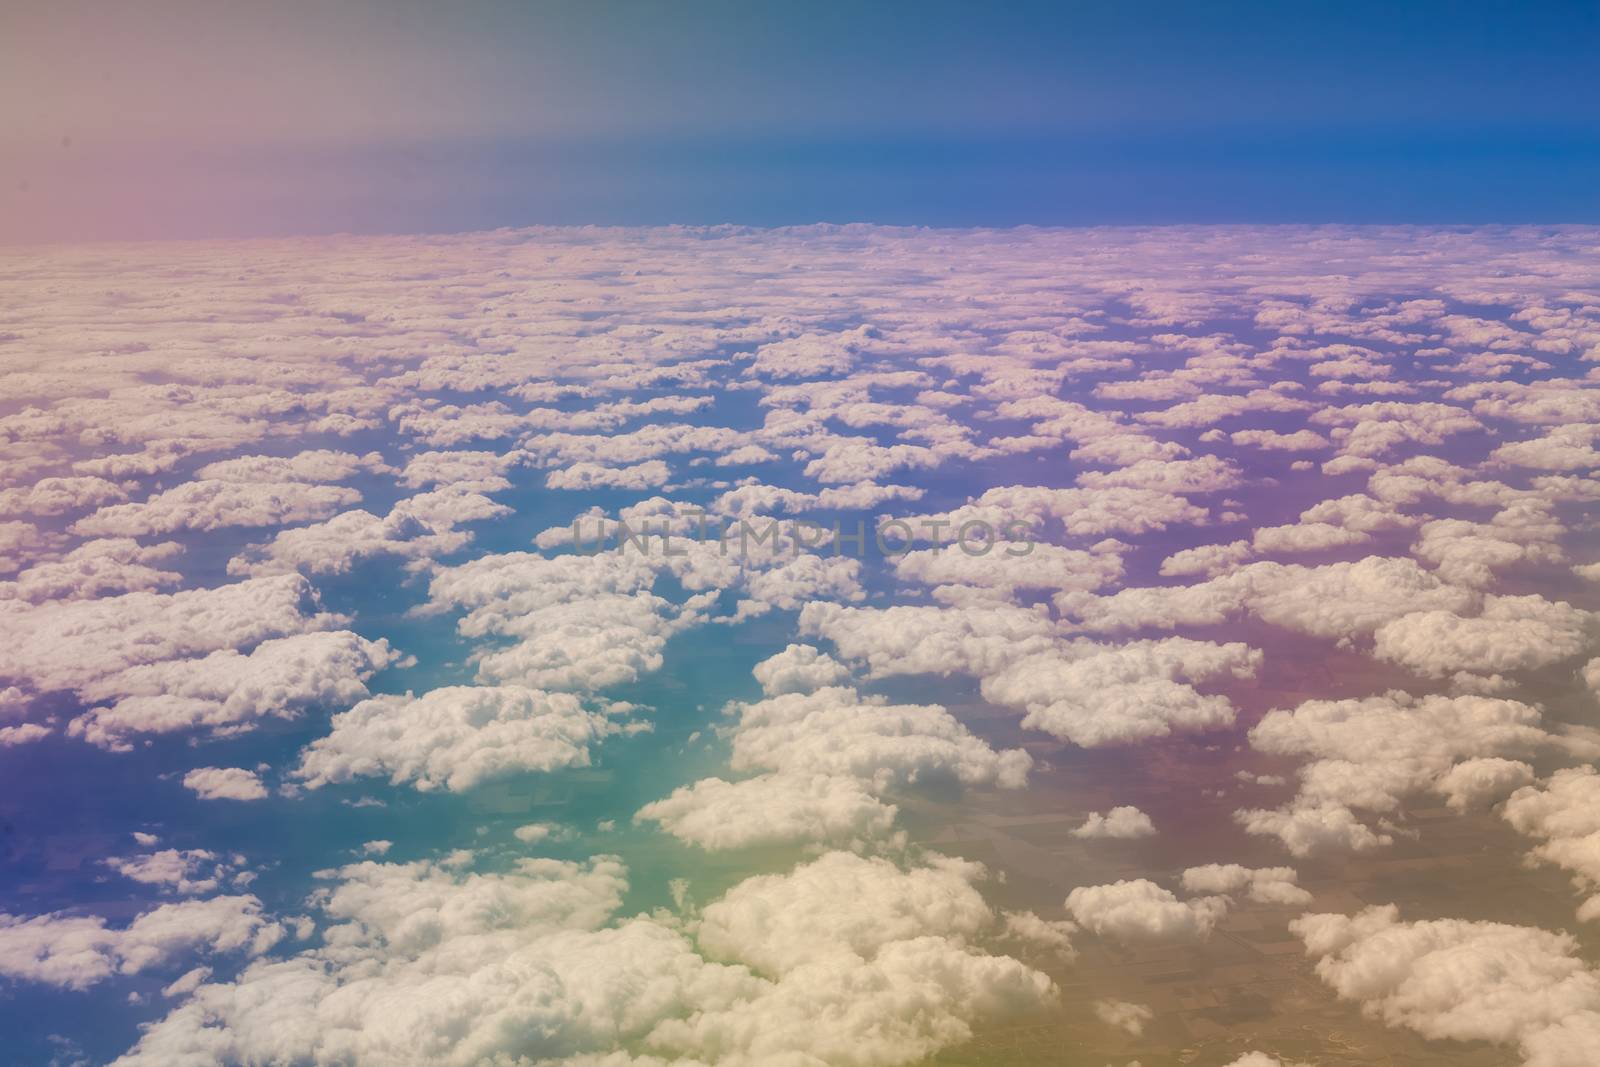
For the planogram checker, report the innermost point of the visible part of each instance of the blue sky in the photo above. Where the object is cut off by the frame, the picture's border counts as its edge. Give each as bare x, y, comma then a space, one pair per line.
179, 119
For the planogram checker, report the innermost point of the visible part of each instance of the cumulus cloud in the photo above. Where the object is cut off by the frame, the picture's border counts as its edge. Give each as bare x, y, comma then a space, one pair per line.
1371, 753
836, 731
1510, 633
1478, 782
224, 783
529, 963
771, 809
1462, 980
186, 871
1096, 695
1265, 885
49, 497
1206, 560
799, 669
1044, 566
1337, 600
1140, 910
646, 475
1565, 812
74, 644
455, 737
76, 952
214, 504
228, 692
855, 369
1122, 1014
1081, 691
417, 529
313, 465
1125, 823
98, 568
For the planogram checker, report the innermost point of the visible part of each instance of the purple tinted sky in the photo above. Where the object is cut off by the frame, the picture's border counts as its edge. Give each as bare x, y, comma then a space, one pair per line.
176, 118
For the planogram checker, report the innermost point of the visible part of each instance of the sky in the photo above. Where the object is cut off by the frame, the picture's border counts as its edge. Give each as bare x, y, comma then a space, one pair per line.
233, 119
806, 535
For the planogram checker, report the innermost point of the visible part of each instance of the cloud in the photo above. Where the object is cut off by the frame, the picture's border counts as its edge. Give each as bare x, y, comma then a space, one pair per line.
771, 809
97, 569
647, 475
1265, 885
1371, 753
1566, 448
1510, 633
1462, 980
49, 497
74, 644
1336, 600
215, 504
454, 738
776, 923
528, 962
76, 952
1123, 1015
1565, 812
419, 528
186, 871
1206, 560
224, 783
1140, 910
1475, 783
1043, 566
799, 669
788, 374
1097, 695
1080, 512
227, 692
1123, 823
314, 465
836, 731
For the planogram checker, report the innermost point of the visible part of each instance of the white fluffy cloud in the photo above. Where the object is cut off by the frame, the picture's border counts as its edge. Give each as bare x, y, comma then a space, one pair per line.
59, 496
1080, 691
313, 465
1462, 980
77, 952
1140, 910
1510, 633
186, 871
844, 956
799, 669
96, 569
836, 731
1122, 823
771, 809
1122, 1014
213, 504
1265, 885
1369, 754
1336, 600
227, 692
455, 737
1096, 695
73, 644
416, 529
1044, 566
224, 783
1205, 367
1565, 812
